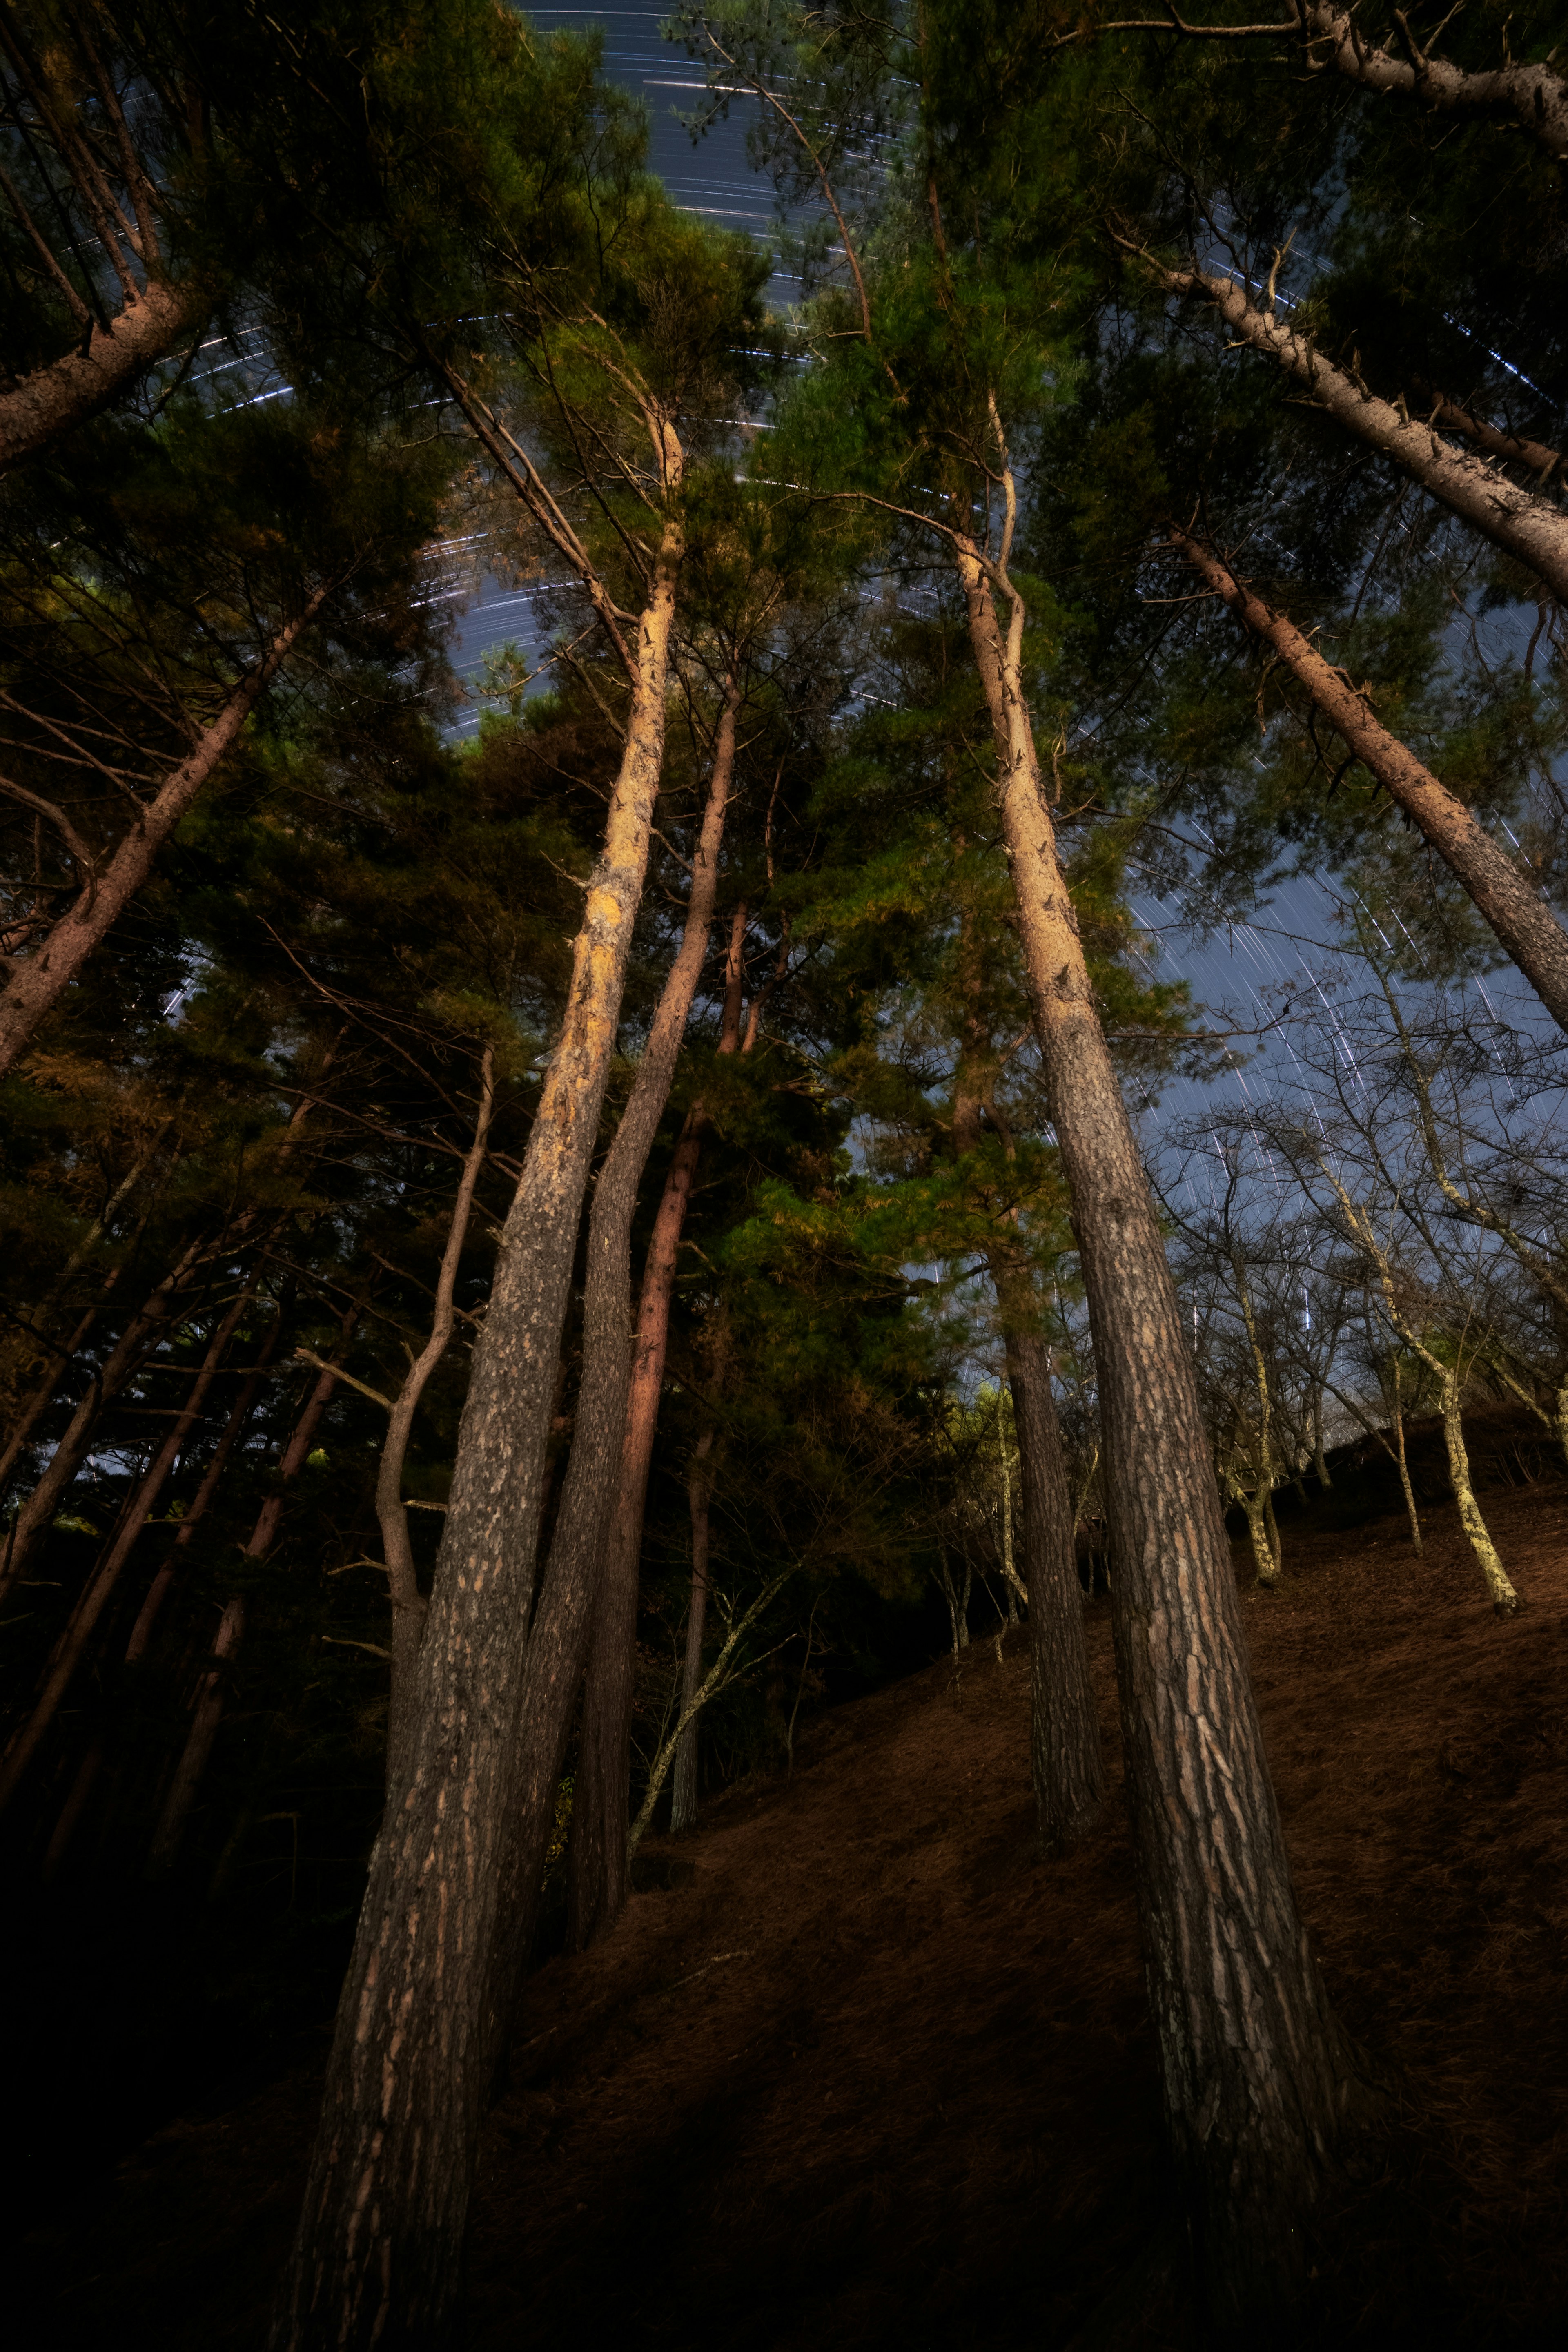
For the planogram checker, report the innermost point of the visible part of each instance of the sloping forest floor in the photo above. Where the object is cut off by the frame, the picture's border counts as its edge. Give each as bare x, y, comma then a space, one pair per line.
869, 2073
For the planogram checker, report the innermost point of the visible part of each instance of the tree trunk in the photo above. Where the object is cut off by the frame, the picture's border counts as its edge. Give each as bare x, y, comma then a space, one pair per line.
1257, 2072
212, 1691
683, 1789
1320, 1459
1521, 522
38, 984
1525, 926
1530, 98
79, 1627
62, 1356
211, 1478
572, 1597
1066, 1765
599, 1859
194, 1756
125, 1358
51, 402
408, 1604
1064, 1739
1011, 1579
426, 2000
1505, 1601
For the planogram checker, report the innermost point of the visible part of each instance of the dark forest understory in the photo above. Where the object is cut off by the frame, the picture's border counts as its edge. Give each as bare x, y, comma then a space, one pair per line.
869, 2073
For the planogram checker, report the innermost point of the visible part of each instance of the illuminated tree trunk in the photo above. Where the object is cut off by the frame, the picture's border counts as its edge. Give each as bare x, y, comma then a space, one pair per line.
1522, 522
1065, 1760
1525, 926
37, 982
51, 402
1257, 2072
426, 2001
572, 1596
408, 1604
599, 1859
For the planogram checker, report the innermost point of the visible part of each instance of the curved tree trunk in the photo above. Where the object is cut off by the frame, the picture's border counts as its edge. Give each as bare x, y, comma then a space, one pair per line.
38, 982
1257, 2072
426, 2000
1526, 927
599, 1859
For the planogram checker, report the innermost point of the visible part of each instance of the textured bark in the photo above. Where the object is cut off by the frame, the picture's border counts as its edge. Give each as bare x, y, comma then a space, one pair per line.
38, 984
1065, 1760
426, 2003
51, 402
1525, 926
131, 1350
1256, 2074
572, 1599
1504, 1599
1066, 1764
1532, 97
408, 1604
1514, 449
699, 1495
598, 1437
1519, 521
599, 1861
67, 1653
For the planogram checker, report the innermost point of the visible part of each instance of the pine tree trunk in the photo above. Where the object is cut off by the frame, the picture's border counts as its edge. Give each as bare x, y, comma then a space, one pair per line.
683, 1787
1066, 1763
213, 1691
125, 1358
211, 1478
195, 1756
69, 1649
36, 984
50, 403
1257, 2072
61, 1357
408, 1604
1525, 926
599, 1859
426, 2000
571, 1591
1530, 528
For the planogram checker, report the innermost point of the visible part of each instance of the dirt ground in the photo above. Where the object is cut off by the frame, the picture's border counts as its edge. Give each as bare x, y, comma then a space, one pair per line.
877, 2076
